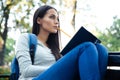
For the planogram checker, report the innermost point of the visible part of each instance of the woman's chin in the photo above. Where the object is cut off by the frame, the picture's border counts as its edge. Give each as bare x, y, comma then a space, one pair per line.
54, 31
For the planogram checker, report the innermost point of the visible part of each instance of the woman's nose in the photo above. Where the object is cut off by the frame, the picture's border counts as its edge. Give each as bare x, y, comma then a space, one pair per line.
56, 21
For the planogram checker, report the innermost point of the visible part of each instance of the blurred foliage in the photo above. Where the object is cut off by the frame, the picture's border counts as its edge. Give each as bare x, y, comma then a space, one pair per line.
9, 45
111, 37
4, 70
10, 50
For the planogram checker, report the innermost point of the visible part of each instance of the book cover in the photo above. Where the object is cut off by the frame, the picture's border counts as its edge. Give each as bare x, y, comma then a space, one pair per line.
81, 36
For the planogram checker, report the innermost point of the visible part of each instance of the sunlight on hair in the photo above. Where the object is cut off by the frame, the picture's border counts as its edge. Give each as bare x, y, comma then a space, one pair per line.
64, 32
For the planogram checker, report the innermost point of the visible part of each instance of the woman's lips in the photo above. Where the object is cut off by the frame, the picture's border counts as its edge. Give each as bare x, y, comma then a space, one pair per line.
56, 27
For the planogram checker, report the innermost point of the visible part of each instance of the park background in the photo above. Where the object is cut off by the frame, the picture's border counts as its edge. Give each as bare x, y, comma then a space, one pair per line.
100, 17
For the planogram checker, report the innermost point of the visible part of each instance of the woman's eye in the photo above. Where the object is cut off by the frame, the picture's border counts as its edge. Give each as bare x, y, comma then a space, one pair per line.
53, 17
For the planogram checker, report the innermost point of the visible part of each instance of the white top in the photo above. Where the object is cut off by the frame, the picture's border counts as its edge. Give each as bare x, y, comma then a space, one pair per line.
43, 58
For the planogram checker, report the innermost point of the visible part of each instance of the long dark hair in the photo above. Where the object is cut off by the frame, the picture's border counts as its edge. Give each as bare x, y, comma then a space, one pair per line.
53, 39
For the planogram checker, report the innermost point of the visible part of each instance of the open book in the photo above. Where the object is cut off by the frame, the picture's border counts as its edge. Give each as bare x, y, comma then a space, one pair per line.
81, 36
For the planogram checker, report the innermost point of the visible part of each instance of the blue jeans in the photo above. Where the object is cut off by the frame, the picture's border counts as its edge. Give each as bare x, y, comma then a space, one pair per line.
87, 61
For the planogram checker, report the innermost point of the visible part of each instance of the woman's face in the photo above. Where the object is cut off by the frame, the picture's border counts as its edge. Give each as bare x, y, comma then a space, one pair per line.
49, 22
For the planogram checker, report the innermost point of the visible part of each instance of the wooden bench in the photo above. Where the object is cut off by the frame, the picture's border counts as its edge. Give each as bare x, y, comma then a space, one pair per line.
113, 71
4, 76
111, 74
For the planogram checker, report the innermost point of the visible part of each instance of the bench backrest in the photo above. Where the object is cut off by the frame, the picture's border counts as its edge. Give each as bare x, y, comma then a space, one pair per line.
113, 71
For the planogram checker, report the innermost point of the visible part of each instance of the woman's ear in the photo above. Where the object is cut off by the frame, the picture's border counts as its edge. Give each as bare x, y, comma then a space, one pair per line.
39, 20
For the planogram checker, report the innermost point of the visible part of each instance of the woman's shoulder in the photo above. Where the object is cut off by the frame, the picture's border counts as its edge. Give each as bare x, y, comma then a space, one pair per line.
23, 35
22, 38
22, 41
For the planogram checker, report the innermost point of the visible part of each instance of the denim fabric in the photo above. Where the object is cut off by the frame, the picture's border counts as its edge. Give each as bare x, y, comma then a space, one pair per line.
86, 61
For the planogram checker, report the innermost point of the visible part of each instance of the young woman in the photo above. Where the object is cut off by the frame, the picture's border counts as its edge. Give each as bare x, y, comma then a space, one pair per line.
86, 61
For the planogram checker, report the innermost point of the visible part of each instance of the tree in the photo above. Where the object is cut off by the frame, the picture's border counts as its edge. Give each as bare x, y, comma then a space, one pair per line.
71, 5
112, 36
5, 11
74, 13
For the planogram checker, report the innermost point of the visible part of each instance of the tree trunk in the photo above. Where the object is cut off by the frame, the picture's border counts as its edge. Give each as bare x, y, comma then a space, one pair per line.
74, 14
4, 34
2, 56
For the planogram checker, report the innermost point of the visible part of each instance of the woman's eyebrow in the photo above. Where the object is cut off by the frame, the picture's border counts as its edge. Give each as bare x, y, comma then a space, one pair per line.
54, 15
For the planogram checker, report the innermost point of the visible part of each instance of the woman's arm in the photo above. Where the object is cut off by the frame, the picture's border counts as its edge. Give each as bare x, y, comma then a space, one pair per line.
23, 56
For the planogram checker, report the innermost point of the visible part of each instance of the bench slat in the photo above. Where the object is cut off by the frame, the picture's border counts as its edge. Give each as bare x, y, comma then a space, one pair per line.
114, 59
4, 75
112, 75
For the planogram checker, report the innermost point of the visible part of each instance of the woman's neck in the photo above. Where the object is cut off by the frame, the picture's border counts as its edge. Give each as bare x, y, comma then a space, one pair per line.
43, 36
